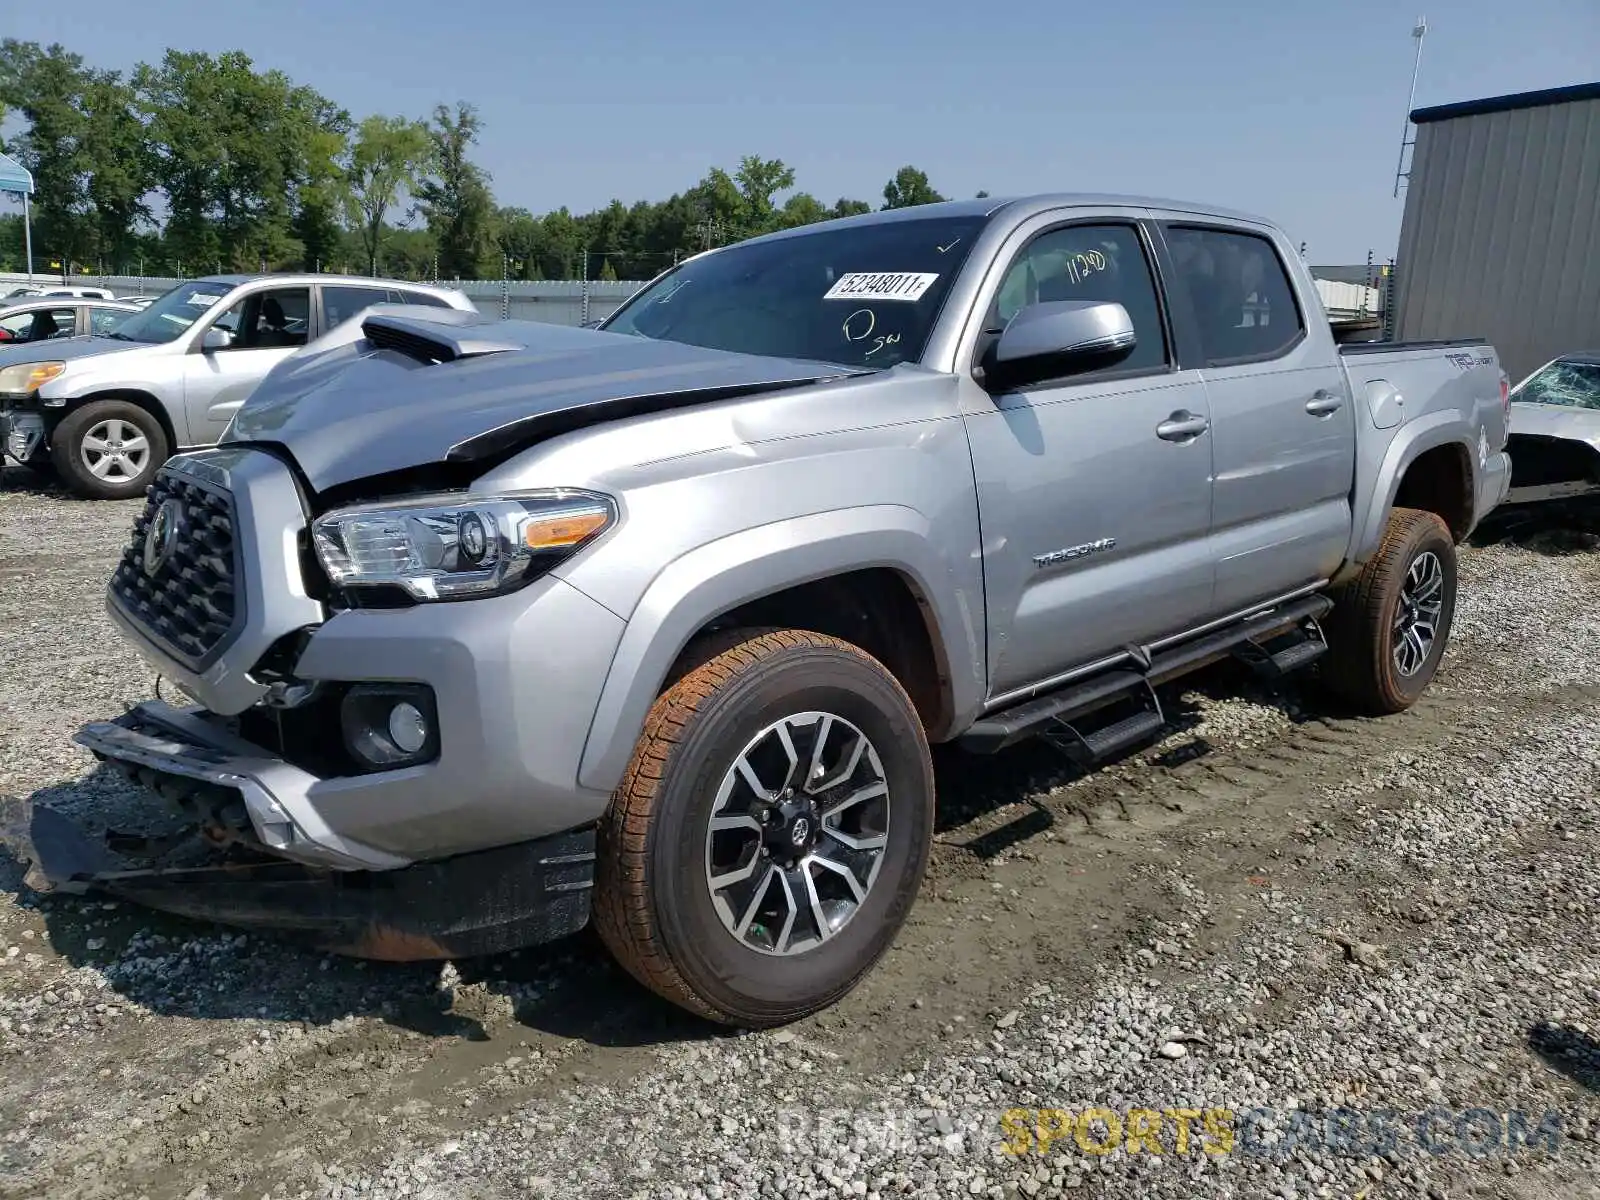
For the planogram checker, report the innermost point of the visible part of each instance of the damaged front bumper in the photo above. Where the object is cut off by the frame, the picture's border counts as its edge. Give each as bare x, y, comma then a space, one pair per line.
250, 856
21, 435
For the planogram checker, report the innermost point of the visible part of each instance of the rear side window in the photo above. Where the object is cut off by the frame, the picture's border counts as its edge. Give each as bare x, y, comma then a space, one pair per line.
1239, 292
339, 304
410, 297
104, 320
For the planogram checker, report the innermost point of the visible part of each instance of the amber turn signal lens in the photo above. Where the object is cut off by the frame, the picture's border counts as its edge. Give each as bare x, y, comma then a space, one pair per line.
563, 530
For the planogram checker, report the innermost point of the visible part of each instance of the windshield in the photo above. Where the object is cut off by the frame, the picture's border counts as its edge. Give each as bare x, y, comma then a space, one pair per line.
1573, 384
858, 295
174, 312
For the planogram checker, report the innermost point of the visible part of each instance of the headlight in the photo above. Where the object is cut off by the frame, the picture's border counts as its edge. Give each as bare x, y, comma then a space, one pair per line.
28, 377
458, 547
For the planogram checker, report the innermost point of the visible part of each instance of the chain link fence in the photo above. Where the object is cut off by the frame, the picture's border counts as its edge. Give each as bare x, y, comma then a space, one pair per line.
558, 302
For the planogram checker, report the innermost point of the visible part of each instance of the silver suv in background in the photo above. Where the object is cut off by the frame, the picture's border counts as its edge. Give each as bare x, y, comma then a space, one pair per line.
106, 412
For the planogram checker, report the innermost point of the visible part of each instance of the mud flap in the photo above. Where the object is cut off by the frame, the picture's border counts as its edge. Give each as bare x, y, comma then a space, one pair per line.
480, 903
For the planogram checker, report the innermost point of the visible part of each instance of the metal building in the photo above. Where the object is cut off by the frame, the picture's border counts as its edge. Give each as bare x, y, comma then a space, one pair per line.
1501, 233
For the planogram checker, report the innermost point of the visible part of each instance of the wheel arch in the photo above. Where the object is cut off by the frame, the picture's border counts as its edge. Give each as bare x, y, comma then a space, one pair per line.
858, 574
1432, 469
138, 398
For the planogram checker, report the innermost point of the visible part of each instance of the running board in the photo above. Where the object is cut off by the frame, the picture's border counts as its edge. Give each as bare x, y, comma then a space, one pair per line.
1072, 716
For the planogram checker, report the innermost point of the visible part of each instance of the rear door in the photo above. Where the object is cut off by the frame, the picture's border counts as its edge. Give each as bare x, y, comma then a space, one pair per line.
1283, 431
266, 326
1094, 502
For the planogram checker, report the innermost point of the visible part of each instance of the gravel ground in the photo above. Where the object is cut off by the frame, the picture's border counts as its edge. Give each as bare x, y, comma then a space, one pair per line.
1284, 953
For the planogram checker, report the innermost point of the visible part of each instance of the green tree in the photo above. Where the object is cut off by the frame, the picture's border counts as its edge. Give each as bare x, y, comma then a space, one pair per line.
759, 180
517, 234
45, 85
386, 162
802, 208
117, 163
233, 146
320, 194
455, 197
909, 187
849, 208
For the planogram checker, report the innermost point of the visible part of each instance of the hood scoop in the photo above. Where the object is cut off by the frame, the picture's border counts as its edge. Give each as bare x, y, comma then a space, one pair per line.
433, 340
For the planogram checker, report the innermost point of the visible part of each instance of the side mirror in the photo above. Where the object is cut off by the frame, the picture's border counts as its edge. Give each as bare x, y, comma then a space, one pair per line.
215, 339
1059, 338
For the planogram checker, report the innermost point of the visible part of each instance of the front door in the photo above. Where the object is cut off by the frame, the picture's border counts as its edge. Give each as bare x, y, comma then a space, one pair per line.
1283, 426
264, 328
1094, 491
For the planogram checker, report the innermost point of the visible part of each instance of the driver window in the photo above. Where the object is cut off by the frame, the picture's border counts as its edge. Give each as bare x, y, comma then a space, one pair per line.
269, 320
1088, 262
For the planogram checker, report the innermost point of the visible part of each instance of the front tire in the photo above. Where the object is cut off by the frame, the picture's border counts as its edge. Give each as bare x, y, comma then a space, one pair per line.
1390, 624
771, 831
108, 450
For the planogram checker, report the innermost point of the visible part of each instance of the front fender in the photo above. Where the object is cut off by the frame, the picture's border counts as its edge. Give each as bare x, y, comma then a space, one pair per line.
1411, 441
721, 575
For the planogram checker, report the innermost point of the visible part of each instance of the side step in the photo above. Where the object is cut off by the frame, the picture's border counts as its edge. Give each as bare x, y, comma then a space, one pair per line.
1075, 719
1275, 657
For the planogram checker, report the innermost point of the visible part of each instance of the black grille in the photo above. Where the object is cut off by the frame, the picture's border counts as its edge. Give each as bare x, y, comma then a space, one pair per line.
189, 603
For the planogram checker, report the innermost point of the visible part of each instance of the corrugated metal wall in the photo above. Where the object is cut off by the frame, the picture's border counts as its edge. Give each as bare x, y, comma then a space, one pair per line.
1501, 233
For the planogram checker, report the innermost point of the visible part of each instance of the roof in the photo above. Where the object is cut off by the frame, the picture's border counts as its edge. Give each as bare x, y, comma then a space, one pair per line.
292, 277
986, 206
14, 177
25, 303
1495, 104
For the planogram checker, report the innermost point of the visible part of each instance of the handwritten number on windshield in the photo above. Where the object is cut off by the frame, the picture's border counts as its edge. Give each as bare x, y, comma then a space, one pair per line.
858, 326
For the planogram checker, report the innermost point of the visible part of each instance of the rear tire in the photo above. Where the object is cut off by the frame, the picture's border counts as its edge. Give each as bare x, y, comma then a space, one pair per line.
109, 450
739, 952
1390, 624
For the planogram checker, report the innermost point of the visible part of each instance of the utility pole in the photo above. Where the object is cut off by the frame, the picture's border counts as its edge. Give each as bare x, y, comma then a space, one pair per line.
584, 319
1418, 31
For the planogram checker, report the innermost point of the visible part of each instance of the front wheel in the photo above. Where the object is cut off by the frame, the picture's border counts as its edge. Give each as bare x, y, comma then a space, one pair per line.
771, 832
1390, 624
108, 449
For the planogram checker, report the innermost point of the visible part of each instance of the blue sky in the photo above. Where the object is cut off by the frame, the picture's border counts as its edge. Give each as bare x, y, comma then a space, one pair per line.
1287, 108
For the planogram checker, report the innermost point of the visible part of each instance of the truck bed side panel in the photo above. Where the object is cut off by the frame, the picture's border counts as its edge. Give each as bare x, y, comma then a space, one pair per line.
1411, 399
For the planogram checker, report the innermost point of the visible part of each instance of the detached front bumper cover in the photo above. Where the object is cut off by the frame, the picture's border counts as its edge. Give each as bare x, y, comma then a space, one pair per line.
256, 853
480, 903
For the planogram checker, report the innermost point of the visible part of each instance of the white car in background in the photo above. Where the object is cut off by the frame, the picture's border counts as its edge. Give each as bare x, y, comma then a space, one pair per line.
1555, 431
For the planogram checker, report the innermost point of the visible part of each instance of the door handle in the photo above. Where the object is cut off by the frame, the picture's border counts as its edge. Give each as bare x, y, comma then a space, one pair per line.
1181, 426
1323, 404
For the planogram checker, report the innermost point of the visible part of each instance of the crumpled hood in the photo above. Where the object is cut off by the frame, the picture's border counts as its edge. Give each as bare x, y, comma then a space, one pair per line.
63, 349
357, 411
1556, 421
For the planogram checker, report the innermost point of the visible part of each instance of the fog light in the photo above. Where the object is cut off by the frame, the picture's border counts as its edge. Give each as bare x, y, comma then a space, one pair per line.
408, 728
389, 725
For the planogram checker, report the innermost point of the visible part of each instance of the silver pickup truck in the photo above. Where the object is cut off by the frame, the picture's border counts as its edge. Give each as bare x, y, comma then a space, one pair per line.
104, 412
492, 627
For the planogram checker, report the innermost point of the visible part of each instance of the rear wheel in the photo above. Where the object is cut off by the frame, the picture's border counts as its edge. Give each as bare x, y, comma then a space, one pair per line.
771, 831
109, 449
1390, 624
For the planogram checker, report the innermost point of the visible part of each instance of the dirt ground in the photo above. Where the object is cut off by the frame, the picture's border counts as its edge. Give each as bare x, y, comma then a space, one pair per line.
148, 1056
